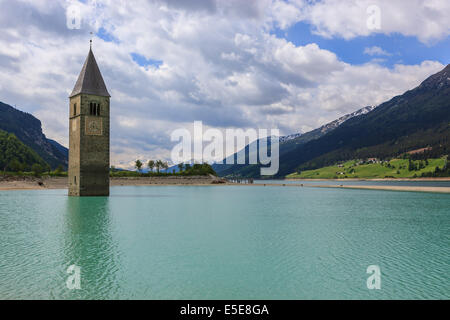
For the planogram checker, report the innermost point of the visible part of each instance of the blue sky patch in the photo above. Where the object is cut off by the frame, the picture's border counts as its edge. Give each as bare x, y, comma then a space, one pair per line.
144, 62
401, 49
106, 36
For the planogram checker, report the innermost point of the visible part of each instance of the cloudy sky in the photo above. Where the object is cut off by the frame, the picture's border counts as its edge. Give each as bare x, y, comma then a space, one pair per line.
292, 65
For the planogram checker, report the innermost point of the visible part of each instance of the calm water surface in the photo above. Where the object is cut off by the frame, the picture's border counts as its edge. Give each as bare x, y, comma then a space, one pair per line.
225, 242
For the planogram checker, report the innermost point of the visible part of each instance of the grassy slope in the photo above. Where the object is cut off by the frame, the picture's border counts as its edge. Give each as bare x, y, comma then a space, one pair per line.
369, 171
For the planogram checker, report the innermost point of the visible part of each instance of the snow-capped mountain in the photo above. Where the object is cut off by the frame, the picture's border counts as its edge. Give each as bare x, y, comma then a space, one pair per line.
336, 123
290, 137
332, 125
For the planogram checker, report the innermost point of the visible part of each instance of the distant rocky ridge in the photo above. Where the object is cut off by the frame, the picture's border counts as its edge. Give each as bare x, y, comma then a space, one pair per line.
331, 125
438, 81
336, 123
28, 129
289, 137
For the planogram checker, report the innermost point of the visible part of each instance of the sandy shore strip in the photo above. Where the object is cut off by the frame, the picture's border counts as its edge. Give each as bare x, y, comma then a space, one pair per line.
388, 188
32, 183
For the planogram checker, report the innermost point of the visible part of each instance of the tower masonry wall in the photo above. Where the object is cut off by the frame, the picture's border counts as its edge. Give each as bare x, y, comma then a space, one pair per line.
89, 146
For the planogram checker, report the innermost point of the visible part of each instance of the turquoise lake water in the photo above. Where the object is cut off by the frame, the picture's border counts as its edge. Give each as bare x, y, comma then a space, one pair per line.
225, 242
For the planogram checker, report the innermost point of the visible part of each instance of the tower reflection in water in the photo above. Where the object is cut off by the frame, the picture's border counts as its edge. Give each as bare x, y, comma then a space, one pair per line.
89, 245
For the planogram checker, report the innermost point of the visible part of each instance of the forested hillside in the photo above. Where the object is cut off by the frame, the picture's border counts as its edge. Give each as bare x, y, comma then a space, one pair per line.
28, 129
16, 156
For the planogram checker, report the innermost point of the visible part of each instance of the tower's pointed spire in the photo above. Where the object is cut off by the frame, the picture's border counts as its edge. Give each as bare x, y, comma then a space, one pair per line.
90, 80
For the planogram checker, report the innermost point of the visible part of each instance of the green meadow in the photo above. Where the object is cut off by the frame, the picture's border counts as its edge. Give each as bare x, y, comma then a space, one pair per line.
396, 168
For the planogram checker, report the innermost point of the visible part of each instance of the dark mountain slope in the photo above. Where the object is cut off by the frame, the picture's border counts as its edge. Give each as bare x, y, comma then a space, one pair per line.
28, 129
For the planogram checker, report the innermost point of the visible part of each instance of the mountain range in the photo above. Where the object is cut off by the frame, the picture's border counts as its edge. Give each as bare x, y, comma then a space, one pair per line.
418, 118
287, 143
28, 130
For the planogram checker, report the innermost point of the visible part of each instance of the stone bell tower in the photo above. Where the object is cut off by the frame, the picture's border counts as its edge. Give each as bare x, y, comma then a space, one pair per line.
89, 133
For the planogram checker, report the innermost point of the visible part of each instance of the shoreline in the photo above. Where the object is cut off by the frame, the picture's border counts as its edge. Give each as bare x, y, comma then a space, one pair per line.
49, 183
384, 188
389, 188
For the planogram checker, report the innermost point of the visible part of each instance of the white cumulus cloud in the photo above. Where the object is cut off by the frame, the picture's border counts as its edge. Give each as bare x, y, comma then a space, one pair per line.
376, 51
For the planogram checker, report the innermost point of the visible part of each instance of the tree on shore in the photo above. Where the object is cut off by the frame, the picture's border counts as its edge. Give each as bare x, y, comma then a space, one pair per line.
138, 165
188, 169
59, 170
181, 166
158, 165
37, 169
411, 165
15, 165
151, 165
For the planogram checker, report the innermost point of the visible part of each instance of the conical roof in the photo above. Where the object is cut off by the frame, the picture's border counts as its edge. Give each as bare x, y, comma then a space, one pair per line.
90, 80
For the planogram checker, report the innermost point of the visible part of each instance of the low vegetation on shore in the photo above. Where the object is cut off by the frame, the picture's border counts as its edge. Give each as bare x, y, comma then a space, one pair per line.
376, 169
188, 171
36, 170
155, 170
